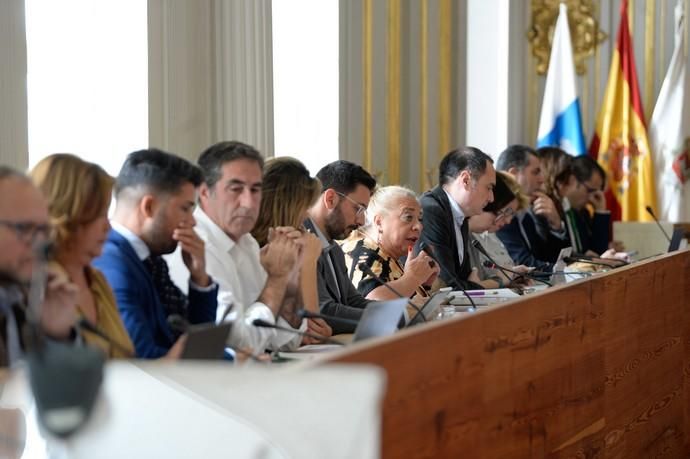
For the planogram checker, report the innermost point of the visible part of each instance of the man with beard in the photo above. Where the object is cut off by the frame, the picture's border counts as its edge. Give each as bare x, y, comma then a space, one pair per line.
156, 194
341, 209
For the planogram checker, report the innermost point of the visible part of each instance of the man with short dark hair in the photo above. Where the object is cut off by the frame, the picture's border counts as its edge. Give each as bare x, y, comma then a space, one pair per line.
466, 182
535, 236
341, 209
24, 235
156, 195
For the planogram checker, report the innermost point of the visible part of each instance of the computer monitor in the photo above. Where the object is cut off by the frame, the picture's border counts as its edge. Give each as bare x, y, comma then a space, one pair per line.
380, 319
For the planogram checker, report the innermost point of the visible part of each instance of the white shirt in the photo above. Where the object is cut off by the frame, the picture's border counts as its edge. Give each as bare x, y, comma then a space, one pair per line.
236, 267
458, 218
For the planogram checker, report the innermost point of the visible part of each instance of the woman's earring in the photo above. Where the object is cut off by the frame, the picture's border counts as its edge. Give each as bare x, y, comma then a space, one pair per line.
378, 238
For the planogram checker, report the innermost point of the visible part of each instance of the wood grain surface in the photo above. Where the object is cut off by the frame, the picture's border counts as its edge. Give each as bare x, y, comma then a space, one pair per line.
599, 368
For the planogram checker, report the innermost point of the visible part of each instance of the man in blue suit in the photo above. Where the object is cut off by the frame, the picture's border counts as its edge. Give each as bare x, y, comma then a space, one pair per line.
156, 195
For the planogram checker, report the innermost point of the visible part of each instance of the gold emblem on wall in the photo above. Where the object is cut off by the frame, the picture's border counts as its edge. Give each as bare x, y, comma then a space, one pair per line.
584, 31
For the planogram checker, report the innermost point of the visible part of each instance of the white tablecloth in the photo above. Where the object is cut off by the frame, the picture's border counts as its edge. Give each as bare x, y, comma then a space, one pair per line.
209, 410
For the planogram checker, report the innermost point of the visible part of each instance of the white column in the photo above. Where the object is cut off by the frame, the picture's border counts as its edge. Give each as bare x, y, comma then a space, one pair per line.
14, 138
210, 74
487, 74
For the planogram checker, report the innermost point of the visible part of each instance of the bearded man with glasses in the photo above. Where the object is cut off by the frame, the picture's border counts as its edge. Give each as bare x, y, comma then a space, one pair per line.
345, 192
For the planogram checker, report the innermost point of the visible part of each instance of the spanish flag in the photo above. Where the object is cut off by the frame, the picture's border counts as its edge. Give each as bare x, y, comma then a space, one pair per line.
620, 142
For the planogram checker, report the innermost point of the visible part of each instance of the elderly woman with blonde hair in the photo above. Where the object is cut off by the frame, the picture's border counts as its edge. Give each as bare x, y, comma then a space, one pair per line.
394, 225
78, 195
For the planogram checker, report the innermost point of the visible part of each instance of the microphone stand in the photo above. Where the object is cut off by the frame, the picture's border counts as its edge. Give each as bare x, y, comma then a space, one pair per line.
367, 270
477, 245
315, 315
491, 265
651, 212
263, 324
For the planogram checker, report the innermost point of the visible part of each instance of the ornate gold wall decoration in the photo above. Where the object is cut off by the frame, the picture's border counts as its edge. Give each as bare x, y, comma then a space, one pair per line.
584, 31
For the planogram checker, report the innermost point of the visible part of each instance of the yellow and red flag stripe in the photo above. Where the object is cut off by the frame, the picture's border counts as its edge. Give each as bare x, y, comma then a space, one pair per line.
620, 142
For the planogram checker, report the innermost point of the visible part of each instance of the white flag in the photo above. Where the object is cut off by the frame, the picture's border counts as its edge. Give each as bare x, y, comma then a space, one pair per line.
669, 133
560, 123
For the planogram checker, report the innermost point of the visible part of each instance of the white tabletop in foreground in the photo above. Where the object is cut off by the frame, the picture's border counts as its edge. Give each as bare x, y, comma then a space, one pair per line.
213, 410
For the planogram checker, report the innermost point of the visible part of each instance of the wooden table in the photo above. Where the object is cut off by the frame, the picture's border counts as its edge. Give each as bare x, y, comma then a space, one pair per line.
599, 368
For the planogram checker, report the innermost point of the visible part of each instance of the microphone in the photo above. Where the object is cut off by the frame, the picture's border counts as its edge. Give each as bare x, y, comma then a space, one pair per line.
84, 324
324, 339
315, 315
569, 260
367, 270
531, 275
651, 212
477, 245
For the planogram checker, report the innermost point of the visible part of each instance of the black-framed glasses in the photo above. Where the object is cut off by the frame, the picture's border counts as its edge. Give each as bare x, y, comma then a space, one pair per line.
28, 232
504, 213
361, 210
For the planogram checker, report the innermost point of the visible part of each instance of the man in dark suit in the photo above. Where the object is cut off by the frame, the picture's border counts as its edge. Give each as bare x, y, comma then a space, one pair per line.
156, 195
341, 208
536, 236
466, 182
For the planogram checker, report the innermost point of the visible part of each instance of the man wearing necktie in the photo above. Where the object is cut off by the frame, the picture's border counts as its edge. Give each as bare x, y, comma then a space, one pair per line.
466, 181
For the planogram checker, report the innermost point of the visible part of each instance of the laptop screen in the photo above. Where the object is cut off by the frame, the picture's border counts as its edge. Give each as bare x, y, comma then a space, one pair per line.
380, 318
678, 234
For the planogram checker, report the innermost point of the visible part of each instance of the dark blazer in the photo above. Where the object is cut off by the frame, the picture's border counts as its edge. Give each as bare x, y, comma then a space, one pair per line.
540, 248
337, 297
439, 232
138, 302
13, 299
593, 230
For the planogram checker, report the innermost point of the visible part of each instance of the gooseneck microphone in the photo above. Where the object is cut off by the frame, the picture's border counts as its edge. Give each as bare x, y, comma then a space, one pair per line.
324, 339
651, 212
315, 315
65, 378
491, 265
367, 270
477, 245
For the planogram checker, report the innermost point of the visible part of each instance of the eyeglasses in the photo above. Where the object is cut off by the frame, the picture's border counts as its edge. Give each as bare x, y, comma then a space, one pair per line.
28, 232
504, 213
361, 210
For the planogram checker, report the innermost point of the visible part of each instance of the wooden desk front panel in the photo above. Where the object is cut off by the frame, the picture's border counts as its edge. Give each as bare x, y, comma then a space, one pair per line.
592, 369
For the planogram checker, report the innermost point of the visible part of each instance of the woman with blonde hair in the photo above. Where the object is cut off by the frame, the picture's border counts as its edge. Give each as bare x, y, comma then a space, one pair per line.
287, 192
78, 195
394, 224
